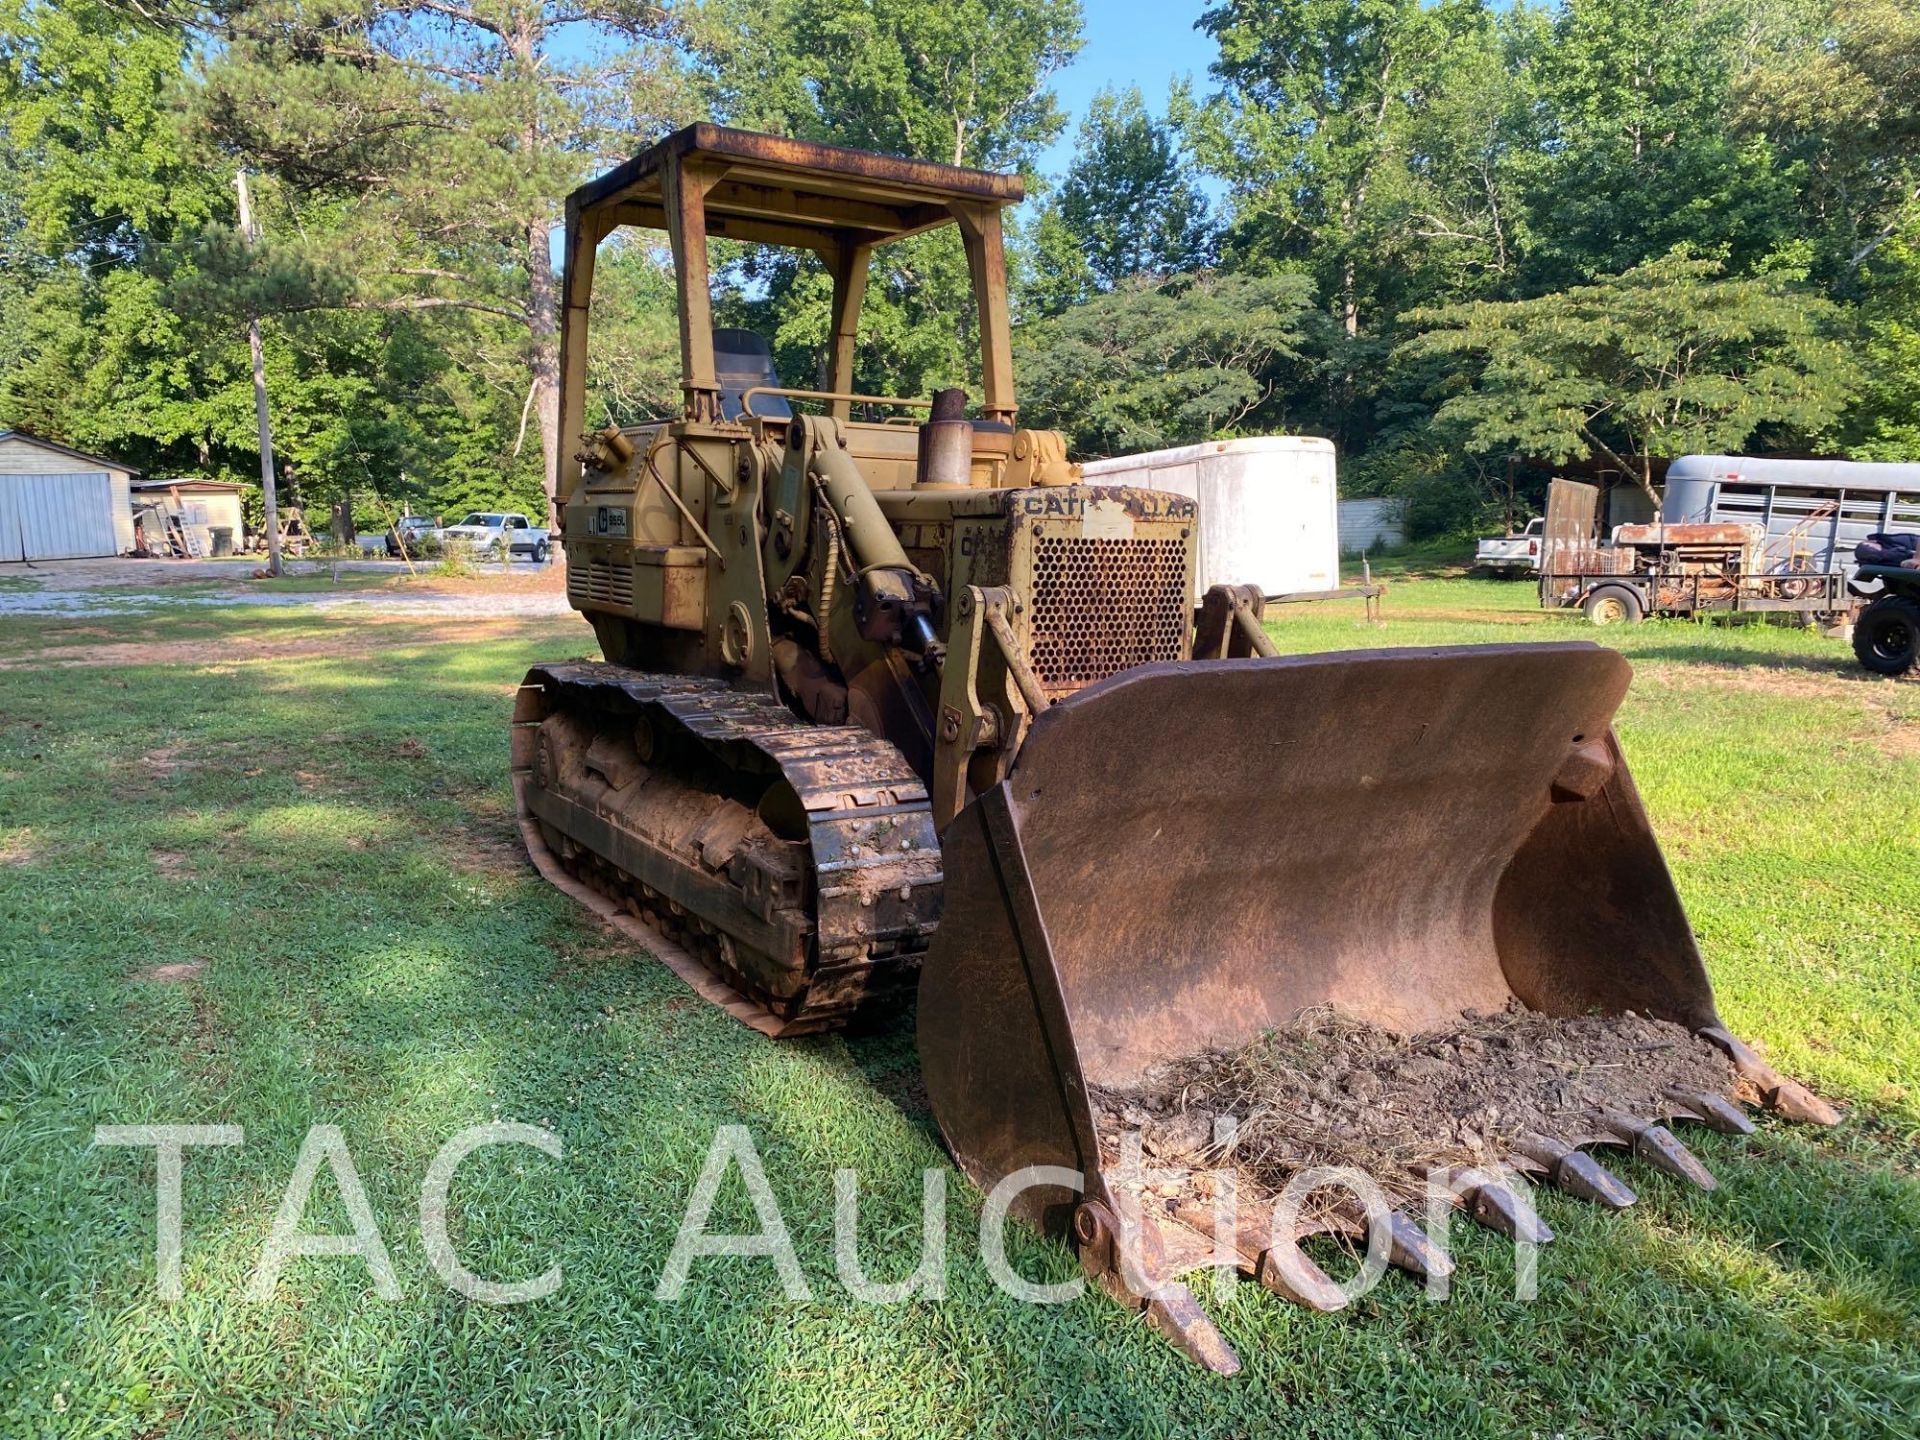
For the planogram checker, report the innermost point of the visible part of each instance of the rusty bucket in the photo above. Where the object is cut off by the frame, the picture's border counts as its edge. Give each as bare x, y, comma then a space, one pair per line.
1190, 854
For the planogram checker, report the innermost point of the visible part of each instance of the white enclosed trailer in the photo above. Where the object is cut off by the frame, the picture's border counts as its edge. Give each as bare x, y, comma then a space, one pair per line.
1267, 507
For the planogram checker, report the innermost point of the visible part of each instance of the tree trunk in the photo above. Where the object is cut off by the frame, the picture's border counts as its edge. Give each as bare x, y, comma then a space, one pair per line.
543, 357
1349, 281
523, 37
1642, 476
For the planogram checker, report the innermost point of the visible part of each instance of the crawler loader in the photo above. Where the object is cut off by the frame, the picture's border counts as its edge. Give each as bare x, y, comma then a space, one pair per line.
890, 699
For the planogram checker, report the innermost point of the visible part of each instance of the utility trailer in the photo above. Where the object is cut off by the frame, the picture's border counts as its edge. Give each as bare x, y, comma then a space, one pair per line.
1664, 568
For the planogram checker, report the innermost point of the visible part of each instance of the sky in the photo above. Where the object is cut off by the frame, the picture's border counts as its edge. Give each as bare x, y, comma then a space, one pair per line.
1128, 42
1124, 42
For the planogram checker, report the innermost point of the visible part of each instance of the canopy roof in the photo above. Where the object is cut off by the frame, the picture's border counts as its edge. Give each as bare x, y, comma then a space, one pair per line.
709, 181
772, 190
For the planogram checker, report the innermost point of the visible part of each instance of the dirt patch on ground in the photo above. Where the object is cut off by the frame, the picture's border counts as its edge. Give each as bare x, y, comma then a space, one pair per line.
1901, 742
349, 636
166, 761
489, 848
151, 771
906, 1089
1778, 680
177, 973
172, 864
1331, 1090
209, 652
18, 848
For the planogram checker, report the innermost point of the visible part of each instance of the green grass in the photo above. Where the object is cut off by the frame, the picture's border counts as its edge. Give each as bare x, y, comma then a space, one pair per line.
330, 836
1448, 555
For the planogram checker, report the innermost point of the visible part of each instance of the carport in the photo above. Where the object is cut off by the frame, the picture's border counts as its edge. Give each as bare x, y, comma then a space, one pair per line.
58, 503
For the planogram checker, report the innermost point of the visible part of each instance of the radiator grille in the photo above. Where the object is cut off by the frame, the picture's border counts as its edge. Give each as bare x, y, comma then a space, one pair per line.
600, 582
1101, 606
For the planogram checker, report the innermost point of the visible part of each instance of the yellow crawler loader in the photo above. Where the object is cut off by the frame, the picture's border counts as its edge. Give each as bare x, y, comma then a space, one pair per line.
889, 698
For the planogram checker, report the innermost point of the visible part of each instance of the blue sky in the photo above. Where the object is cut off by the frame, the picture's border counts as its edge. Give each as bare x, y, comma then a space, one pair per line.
1128, 42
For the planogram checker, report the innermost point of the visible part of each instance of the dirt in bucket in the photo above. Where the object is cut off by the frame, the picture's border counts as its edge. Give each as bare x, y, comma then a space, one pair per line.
1332, 1090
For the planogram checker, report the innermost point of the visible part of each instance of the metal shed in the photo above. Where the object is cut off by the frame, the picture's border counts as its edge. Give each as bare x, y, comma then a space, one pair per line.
1370, 524
210, 505
58, 504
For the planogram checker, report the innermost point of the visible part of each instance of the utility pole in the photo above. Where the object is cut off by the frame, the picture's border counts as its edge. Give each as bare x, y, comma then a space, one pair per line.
271, 501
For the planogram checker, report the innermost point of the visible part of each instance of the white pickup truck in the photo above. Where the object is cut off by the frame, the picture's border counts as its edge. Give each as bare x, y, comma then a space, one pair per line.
1511, 554
499, 533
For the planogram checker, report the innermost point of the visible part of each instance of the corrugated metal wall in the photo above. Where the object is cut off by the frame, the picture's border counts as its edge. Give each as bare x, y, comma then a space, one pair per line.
1369, 524
57, 517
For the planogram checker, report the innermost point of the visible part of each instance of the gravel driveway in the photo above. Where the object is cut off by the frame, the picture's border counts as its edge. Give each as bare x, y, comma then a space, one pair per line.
81, 587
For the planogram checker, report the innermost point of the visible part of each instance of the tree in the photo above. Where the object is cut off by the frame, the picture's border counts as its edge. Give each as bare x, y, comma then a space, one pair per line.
1373, 145
1636, 153
963, 82
1844, 103
1886, 419
1130, 204
99, 173
22, 266
1161, 361
959, 81
633, 360
454, 127
126, 288
1668, 358
1326, 127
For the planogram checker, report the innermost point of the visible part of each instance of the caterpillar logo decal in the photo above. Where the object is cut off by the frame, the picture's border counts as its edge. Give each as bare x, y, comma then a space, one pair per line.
1072, 504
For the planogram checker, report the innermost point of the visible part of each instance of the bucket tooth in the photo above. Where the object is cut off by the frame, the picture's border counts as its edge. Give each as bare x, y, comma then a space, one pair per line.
1409, 1249
1779, 1094
1173, 1312
1506, 1211
1585, 1178
1286, 1270
1793, 1100
1129, 1261
1716, 1112
1656, 1145
1579, 1174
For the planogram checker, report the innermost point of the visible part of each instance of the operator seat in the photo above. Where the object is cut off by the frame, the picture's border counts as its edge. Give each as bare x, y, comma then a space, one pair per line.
742, 359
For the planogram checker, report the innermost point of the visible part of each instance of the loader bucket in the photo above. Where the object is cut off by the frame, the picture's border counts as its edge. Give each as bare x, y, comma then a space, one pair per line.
1191, 854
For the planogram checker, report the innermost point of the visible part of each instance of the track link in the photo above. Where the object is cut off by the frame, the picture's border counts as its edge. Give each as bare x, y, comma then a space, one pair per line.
790, 872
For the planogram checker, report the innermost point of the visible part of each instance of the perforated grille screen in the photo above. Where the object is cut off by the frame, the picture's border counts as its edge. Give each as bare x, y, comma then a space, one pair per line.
1101, 606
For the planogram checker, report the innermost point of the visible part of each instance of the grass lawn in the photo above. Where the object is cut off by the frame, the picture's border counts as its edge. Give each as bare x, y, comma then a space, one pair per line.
259, 870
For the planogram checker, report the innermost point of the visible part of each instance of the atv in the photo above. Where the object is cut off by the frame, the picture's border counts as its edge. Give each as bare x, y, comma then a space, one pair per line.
1886, 634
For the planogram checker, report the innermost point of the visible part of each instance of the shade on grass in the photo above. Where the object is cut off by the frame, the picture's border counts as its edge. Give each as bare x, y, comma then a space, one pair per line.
330, 835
